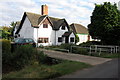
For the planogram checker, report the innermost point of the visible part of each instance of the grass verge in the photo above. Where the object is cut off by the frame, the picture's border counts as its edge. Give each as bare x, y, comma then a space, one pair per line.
46, 71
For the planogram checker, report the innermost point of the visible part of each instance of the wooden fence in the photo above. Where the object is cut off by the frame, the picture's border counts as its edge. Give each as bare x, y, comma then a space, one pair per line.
99, 49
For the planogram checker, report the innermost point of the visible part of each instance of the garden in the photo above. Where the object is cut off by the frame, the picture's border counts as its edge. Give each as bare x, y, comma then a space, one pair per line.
26, 62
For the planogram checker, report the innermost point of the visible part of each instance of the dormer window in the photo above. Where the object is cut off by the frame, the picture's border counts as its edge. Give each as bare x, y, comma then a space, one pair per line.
45, 25
63, 28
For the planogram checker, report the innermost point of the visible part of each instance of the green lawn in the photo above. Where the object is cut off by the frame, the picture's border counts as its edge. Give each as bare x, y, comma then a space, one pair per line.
106, 55
47, 71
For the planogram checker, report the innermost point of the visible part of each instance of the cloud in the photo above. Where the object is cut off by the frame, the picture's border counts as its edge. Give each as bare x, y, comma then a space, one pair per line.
74, 11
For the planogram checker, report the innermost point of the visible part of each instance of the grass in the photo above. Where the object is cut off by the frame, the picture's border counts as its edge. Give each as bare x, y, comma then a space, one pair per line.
45, 71
107, 55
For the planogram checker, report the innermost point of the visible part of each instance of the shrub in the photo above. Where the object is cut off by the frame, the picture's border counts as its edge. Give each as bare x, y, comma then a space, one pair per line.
89, 43
22, 56
6, 46
44, 59
41, 57
66, 46
80, 51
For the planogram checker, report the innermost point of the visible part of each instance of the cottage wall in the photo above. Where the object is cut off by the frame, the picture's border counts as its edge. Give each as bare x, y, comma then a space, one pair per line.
72, 36
82, 38
27, 30
44, 33
59, 33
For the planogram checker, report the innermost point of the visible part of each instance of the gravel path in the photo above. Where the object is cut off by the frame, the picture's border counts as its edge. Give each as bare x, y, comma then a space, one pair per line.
76, 57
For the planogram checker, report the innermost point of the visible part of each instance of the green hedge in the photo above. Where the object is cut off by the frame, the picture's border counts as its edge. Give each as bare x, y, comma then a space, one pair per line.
80, 51
66, 46
6, 45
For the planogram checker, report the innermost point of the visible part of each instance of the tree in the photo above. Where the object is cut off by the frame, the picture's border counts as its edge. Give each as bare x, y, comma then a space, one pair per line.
105, 23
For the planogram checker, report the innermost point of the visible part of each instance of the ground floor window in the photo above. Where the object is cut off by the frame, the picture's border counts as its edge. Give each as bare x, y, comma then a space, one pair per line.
72, 39
59, 39
42, 40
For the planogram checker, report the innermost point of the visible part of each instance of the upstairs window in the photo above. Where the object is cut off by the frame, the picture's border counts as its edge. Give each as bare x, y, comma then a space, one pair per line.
45, 25
72, 39
63, 28
59, 39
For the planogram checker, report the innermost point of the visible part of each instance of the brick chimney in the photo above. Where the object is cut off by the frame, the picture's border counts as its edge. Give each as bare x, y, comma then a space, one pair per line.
44, 10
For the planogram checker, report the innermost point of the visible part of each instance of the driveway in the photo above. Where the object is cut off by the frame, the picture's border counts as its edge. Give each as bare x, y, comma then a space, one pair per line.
106, 70
75, 57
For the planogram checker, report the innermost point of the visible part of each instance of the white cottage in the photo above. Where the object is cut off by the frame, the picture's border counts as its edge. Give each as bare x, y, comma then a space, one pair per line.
45, 30
82, 33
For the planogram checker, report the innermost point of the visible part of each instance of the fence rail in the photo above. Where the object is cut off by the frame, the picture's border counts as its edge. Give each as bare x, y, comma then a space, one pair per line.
99, 49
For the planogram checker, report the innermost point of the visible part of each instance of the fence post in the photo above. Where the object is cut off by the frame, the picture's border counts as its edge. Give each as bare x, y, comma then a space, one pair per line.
71, 49
95, 48
90, 49
100, 52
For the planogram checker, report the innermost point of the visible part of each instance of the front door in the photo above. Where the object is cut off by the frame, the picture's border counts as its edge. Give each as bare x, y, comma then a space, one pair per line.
66, 39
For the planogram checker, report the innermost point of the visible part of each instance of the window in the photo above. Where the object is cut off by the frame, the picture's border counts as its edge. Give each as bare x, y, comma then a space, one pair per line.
63, 28
45, 25
72, 39
59, 39
43, 40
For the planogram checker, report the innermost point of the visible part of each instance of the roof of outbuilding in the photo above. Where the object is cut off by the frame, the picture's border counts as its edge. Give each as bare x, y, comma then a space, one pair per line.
79, 29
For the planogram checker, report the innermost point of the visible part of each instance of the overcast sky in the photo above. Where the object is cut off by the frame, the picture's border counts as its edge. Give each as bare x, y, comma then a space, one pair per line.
74, 11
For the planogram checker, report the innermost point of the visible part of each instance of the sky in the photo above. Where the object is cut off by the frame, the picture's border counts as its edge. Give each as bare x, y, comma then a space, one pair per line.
74, 11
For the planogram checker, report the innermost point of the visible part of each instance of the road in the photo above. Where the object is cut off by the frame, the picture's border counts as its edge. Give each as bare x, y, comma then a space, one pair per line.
106, 70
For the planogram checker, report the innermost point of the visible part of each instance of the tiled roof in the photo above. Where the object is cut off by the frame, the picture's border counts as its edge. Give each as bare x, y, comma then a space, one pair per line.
79, 29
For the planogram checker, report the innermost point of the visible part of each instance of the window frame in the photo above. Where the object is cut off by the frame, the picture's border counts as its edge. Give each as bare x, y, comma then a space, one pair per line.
63, 27
72, 39
45, 25
43, 40
60, 39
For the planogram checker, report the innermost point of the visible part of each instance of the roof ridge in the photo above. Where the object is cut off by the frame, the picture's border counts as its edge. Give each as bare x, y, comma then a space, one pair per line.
33, 13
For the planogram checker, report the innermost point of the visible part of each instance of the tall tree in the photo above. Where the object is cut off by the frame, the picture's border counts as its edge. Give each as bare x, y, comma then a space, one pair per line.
105, 23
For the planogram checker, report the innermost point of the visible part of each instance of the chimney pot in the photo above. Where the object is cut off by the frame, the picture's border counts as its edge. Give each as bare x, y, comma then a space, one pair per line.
44, 10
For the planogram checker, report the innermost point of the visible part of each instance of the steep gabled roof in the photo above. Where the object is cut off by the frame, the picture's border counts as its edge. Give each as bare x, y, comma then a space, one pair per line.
67, 33
36, 19
79, 29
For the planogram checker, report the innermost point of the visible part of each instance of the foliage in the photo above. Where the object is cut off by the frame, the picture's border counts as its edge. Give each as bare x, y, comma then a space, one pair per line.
66, 46
89, 43
22, 56
105, 23
76, 38
80, 50
6, 32
6, 45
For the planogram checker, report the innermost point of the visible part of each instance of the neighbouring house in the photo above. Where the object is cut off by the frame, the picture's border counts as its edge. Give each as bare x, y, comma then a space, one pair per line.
82, 33
45, 30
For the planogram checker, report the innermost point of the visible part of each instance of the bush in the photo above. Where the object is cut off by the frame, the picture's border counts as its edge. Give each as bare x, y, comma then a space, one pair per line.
66, 46
6, 46
41, 57
89, 43
22, 56
44, 59
80, 51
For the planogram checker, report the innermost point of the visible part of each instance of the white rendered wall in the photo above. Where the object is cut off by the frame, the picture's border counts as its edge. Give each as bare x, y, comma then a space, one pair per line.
59, 33
27, 30
72, 36
82, 38
45, 33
